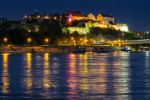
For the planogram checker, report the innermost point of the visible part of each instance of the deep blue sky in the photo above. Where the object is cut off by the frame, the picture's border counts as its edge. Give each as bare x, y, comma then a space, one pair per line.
135, 13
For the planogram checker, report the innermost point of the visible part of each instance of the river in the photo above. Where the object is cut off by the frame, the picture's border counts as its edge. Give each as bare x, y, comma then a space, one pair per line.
105, 76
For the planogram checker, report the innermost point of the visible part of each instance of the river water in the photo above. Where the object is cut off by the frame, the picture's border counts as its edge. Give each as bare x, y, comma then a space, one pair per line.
103, 76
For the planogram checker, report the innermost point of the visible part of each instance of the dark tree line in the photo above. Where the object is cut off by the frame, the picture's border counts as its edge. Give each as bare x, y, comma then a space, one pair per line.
18, 34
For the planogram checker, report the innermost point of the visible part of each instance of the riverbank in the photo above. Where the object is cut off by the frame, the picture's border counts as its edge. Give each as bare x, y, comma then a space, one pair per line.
41, 49
29, 49
37, 49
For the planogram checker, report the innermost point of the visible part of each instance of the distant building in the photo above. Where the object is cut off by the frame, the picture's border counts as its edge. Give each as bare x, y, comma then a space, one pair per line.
56, 16
96, 24
35, 18
141, 34
105, 18
74, 15
3, 20
123, 27
92, 17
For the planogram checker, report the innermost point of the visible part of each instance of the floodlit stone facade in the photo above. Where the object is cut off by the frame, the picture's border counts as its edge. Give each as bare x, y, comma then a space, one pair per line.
92, 17
105, 18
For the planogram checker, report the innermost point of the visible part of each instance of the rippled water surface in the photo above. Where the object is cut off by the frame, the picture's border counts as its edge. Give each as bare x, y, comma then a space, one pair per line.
105, 76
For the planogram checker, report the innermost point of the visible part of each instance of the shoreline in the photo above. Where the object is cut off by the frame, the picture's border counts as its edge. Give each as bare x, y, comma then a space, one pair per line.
30, 49
15, 49
29, 52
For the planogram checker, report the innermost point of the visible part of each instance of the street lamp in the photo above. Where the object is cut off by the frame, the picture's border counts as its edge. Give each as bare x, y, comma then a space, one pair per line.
123, 36
147, 35
71, 38
46, 40
5, 40
29, 40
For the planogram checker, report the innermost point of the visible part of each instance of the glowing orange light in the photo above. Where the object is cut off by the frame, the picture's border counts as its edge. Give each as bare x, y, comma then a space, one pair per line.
46, 40
46, 17
85, 40
72, 38
29, 39
5, 39
38, 16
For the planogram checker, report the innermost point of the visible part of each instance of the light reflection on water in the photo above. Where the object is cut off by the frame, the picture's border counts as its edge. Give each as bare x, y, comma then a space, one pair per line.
124, 75
72, 78
109, 76
46, 81
5, 74
147, 72
28, 74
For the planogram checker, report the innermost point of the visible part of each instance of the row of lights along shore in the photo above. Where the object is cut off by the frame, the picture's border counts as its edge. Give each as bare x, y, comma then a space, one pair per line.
47, 40
83, 41
29, 40
72, 38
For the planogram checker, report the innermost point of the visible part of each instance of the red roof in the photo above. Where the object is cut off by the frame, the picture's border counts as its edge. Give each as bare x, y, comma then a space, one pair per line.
76, 13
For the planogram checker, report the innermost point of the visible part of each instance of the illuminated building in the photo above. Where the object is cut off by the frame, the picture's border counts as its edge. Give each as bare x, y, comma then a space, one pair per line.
92, 17
116, 27
96, 24
70, 17
101, 25
35, 18
80, 30
123, 27
102, 21
105, 18
74, 15
56, 16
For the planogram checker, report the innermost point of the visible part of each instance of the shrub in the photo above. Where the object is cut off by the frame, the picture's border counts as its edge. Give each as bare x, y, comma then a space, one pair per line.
32, 50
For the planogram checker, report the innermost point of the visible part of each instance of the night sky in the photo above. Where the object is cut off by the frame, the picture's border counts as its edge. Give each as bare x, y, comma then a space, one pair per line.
135, 13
